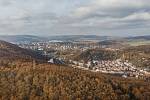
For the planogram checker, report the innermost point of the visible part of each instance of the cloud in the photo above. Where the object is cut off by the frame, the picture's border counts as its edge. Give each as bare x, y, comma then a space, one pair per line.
50, 17
138, 16
104, 15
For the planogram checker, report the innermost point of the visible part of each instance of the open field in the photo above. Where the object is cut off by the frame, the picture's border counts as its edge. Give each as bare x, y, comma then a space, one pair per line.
138, 42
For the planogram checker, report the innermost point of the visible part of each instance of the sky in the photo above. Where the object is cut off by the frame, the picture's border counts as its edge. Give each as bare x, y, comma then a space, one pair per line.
75, 17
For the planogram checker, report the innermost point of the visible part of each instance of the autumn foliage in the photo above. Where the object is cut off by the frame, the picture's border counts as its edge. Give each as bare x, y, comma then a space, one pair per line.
31, 81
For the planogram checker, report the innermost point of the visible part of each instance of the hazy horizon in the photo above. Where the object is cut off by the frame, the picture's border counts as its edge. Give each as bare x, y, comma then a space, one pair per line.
39, 35
75, 17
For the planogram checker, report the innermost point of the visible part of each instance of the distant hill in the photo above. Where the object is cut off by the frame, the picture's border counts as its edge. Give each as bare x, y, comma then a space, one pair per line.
147, 37
97, 54
138, 55
30, 38
21, 38
142, 48
11, 51
106, 40
111, 42
80, 37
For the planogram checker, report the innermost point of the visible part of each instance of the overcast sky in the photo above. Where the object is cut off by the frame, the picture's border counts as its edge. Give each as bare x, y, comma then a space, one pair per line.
63, 17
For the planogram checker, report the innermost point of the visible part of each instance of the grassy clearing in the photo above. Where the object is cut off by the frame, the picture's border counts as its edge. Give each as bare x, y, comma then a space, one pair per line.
137, 43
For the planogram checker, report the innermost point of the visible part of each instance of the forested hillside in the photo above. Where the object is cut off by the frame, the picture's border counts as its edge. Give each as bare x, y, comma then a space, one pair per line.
10, 51
98, 54
28, 81
138, 55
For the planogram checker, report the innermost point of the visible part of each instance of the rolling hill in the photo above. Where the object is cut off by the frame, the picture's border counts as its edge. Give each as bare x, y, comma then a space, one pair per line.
139, 37
21, 38
12, 51
97, 54
52, 82
138, 55
65, 38
28, 81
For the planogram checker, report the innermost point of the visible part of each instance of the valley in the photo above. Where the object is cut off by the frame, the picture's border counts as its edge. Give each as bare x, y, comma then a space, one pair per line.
72, 70
107, 56
74, 49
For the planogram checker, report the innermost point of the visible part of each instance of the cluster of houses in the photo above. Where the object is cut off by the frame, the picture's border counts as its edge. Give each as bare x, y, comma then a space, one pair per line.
59, 45
57, 61
118, 67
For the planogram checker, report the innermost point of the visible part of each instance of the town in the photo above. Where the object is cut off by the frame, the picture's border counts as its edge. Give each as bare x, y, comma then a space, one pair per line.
71, 45
123, 68
117, 67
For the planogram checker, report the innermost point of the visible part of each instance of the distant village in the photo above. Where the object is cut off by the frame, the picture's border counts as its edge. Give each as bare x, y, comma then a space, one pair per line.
116, 67
60, 45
